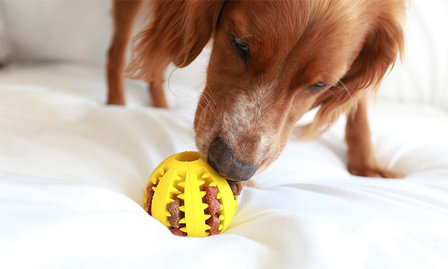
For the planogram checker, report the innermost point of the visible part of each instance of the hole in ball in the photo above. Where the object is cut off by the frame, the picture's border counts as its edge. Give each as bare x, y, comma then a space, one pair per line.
188, 156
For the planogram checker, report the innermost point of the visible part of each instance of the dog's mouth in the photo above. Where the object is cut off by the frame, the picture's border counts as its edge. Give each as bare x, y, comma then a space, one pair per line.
236, 187
222, 159
237, 176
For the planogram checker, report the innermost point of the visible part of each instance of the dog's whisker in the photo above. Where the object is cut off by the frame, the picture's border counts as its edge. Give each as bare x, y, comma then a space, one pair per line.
201, 106
211, 97
206, 100
345, 87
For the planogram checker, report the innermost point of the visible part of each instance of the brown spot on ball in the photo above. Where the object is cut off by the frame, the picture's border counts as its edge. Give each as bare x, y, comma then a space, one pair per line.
213, 222
150, 193
178, 232
176, 214
214, 206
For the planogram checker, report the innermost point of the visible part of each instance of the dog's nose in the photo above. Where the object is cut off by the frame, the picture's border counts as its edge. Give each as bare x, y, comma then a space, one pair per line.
220, 157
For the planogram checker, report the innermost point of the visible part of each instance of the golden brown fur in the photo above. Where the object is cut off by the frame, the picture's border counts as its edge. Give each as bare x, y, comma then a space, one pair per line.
253, 103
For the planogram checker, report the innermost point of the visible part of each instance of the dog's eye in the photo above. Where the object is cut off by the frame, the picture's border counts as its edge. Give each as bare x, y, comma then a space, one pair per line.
317, 86
241, 48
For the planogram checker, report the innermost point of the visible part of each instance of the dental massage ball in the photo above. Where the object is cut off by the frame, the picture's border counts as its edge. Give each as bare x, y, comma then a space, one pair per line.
189, 197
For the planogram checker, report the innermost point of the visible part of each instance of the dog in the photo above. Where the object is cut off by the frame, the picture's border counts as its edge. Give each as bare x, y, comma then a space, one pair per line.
271, 62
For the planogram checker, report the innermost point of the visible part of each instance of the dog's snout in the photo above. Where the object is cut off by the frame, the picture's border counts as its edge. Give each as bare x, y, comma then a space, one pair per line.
221, 157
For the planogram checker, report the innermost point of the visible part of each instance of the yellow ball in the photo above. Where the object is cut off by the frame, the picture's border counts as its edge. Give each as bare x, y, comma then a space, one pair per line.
185, 192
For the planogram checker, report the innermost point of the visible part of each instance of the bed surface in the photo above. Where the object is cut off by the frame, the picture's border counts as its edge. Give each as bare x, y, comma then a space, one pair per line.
73, 171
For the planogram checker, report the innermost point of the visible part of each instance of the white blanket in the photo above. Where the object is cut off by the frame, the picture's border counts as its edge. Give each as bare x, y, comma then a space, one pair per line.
73, 171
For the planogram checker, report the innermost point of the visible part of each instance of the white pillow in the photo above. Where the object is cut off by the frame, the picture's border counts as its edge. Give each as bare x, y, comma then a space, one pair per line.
422, 77
4, 48
52, 30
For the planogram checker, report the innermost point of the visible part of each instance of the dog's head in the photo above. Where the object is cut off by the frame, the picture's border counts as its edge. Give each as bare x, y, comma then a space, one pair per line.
271, 62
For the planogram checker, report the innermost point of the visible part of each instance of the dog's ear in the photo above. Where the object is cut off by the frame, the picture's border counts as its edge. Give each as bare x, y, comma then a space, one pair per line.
178, 32
382, 46
381, 49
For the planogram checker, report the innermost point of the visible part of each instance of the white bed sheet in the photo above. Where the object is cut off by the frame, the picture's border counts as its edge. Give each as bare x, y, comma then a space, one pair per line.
72, 174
